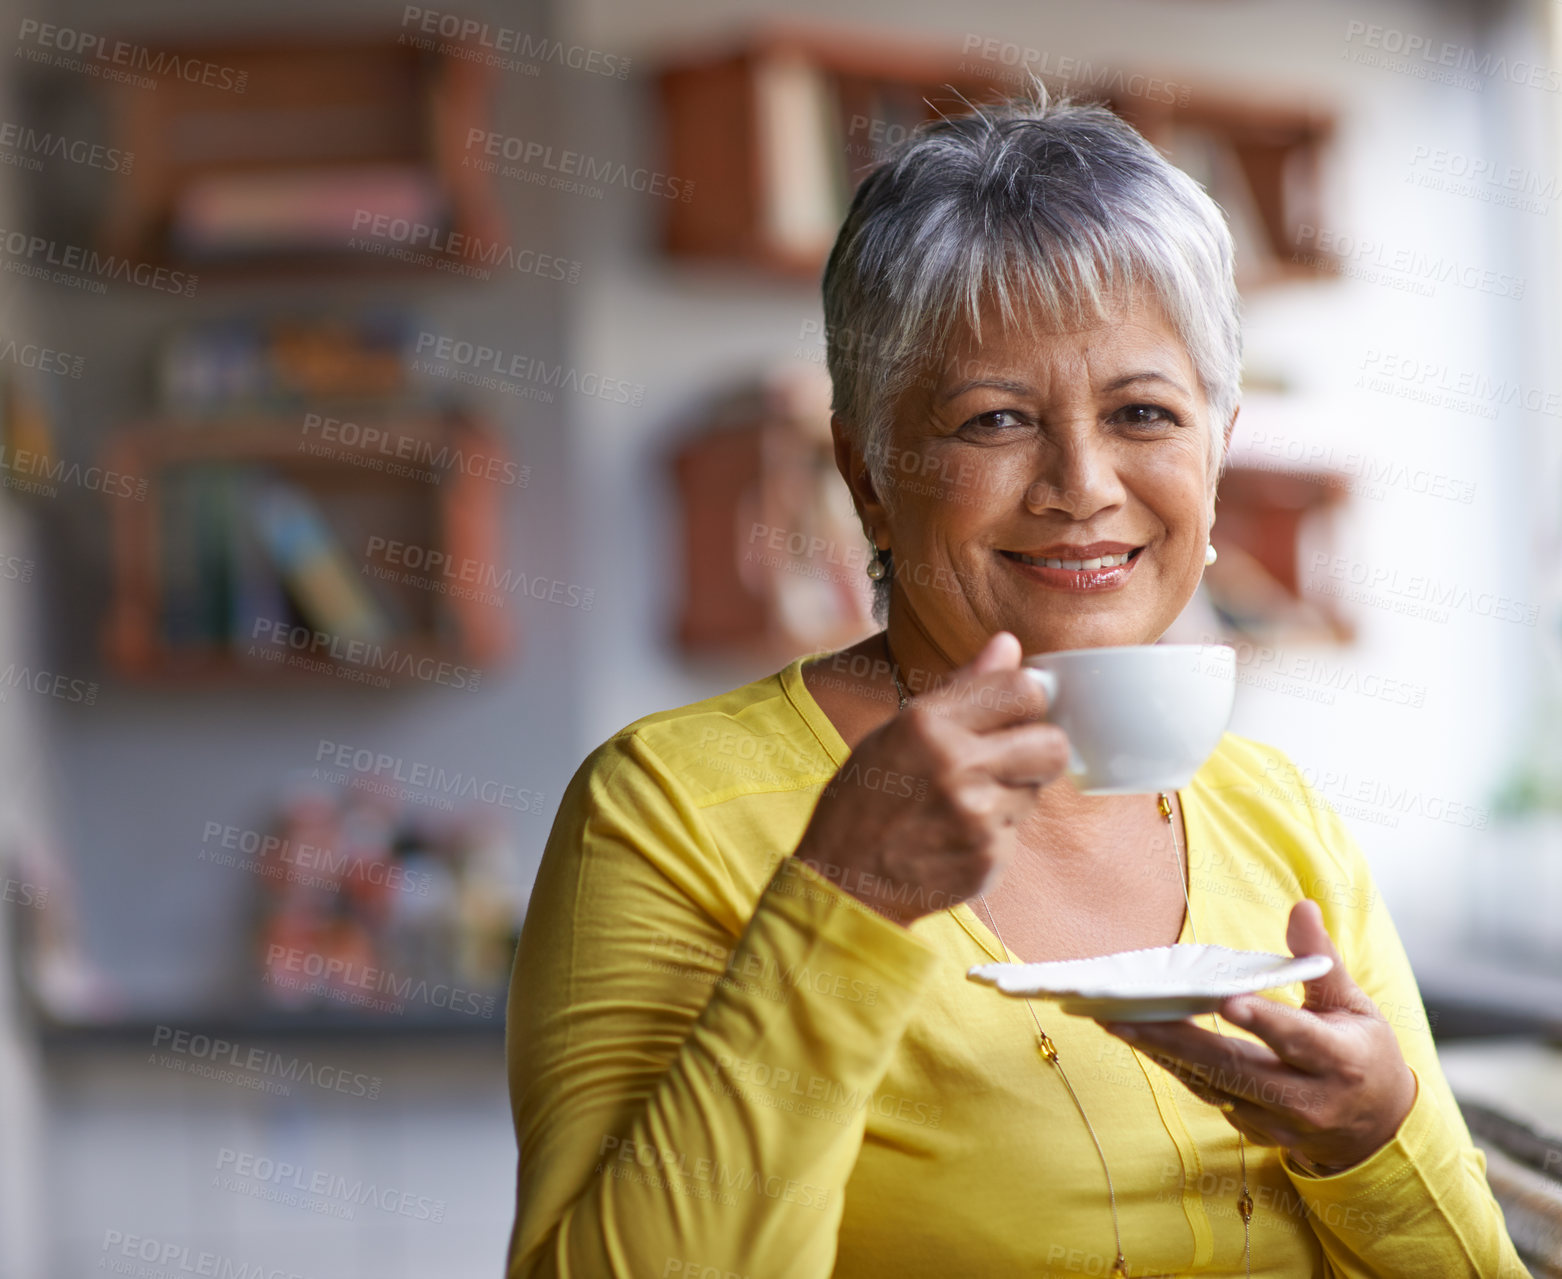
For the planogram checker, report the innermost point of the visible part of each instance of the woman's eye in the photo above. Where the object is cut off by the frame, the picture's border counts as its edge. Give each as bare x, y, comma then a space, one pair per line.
1145, 415
997, 420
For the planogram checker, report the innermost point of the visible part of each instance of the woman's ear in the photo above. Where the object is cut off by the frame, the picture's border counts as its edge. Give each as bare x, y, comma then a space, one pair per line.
853, 466
1225, 452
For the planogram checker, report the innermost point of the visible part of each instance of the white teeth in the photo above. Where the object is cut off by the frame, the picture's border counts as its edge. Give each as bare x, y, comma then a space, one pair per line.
1103, 561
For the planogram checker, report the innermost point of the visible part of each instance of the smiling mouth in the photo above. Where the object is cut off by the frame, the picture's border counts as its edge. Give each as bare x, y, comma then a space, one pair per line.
1099, 562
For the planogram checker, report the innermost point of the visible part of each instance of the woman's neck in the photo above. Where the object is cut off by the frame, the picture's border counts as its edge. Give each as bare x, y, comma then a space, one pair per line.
915, 656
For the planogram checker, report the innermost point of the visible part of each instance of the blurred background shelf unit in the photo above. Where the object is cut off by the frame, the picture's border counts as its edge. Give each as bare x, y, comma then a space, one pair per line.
1263, 161
1263, 517
382, 545
774, 558
776, 132
323, 154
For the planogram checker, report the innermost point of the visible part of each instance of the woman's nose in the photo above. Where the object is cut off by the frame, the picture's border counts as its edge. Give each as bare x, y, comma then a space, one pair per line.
1078, 477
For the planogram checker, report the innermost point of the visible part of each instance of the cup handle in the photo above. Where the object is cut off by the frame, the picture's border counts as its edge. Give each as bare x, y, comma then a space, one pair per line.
1049, 684
1048, 681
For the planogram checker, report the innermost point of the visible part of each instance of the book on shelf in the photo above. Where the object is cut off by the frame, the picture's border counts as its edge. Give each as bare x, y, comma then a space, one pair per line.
243, 549
314, 566
252, 364
818, 132
802, 153
183, 622
258, 597
213, 545
226, 215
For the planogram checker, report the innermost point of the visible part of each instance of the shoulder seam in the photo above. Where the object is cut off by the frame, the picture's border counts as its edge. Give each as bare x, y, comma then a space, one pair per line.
636, 728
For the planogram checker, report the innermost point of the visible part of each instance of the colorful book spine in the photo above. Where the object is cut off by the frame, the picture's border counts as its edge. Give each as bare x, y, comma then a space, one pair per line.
315, 568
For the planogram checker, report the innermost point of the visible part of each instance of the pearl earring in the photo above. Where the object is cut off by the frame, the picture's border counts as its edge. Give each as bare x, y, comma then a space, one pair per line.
876, 566
875, 562
1209, 554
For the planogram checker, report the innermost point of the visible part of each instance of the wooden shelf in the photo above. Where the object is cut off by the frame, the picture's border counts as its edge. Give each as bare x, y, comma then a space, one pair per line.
1262, 161
777, 130
1256, 580
764, 130
773, 557
328, 117
263, 1025
458, 515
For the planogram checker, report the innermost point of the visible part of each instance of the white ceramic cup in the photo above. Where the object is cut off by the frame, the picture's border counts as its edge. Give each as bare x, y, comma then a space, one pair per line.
1140, 718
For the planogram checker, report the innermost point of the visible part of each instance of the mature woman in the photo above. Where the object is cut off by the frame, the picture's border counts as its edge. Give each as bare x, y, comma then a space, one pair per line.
741, 1037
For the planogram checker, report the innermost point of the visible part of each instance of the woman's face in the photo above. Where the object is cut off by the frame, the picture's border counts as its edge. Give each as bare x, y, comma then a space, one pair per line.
1026, 447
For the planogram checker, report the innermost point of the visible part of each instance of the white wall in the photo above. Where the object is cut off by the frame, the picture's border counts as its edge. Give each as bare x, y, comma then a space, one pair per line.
417, 1182
28, 905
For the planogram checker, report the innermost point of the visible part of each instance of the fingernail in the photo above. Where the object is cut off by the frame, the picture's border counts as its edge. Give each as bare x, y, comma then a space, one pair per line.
1239, 1013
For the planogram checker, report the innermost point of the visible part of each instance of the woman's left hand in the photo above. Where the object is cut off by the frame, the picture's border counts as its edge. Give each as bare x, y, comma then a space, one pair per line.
1328, 1082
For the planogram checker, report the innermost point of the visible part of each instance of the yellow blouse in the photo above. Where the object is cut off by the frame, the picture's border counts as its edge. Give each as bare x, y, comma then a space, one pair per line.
724, 1067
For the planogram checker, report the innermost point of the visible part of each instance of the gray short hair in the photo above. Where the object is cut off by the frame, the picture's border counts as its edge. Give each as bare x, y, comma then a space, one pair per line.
1051, 208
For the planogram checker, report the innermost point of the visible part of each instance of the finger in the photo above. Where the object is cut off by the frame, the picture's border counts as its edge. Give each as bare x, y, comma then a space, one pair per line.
1217, 1062
1305, 934
986, 700
1195, 1079
1260, 1126
983, 810
1279, 1104
1298, 1036
1027, 756
1002, 652
1192, 1043
989, 691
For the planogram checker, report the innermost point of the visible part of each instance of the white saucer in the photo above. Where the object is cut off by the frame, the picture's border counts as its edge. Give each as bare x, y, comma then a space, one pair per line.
1166, 983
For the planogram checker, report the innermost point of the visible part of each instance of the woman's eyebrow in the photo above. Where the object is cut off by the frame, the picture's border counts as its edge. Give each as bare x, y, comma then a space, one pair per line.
995, 383
1148, 375
1024, 388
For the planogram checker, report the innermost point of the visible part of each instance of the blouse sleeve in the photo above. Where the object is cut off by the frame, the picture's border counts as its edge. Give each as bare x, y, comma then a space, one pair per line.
666, 1062
1421, 1204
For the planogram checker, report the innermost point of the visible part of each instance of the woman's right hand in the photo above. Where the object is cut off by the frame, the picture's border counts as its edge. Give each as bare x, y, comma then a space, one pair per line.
922, 815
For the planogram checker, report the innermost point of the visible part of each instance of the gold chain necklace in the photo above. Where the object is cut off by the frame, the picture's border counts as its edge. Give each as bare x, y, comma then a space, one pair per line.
1049, 1051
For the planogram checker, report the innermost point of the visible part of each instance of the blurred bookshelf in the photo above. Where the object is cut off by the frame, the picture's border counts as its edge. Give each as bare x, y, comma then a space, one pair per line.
243, 535
285, 174
298, 483
1263, 160
765, 132
774, 559
1256, 585
775, 132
